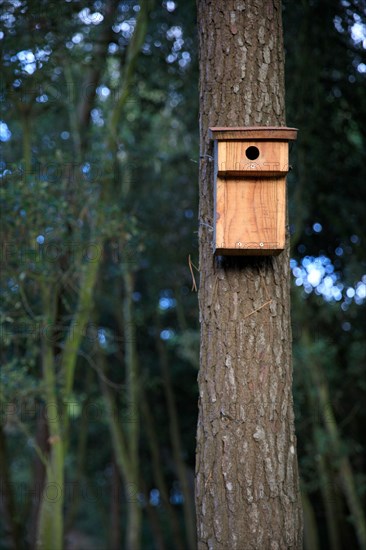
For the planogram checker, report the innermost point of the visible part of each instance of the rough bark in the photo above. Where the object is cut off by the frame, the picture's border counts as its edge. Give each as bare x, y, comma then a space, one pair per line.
247, 489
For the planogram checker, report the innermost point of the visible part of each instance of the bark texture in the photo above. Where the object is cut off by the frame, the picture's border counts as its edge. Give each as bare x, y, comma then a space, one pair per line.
247, 488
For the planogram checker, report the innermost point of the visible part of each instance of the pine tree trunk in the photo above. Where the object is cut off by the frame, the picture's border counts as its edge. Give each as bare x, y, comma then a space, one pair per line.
247, 488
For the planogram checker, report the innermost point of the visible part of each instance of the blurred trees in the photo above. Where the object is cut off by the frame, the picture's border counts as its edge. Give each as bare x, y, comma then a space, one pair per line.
325, 74
73, 253
99, 327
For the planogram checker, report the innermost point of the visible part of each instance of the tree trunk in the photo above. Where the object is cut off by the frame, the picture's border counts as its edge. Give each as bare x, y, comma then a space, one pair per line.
175, 438
311, 538
115, 538
159, 480
7, 501
348, 481
39, 474
50, 514
134, 512
247, 487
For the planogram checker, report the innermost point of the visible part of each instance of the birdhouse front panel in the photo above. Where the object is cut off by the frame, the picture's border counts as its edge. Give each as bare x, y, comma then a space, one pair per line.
250, 216
250, 189
256, 158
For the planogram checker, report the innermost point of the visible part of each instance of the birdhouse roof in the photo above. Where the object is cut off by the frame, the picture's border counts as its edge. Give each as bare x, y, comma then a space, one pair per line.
250, 133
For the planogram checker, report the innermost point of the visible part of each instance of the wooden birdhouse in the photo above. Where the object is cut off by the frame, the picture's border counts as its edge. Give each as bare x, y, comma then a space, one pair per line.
250, 189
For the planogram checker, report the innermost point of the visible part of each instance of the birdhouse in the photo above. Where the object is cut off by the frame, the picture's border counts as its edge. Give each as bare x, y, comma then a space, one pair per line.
250, 189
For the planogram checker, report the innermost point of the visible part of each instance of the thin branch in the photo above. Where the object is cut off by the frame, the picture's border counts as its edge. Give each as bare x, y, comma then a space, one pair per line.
133, 50
42, 457
100, 373
257, 309
190, 265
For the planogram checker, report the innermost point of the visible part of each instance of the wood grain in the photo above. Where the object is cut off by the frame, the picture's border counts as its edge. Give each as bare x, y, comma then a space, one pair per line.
250, 216
232, 159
